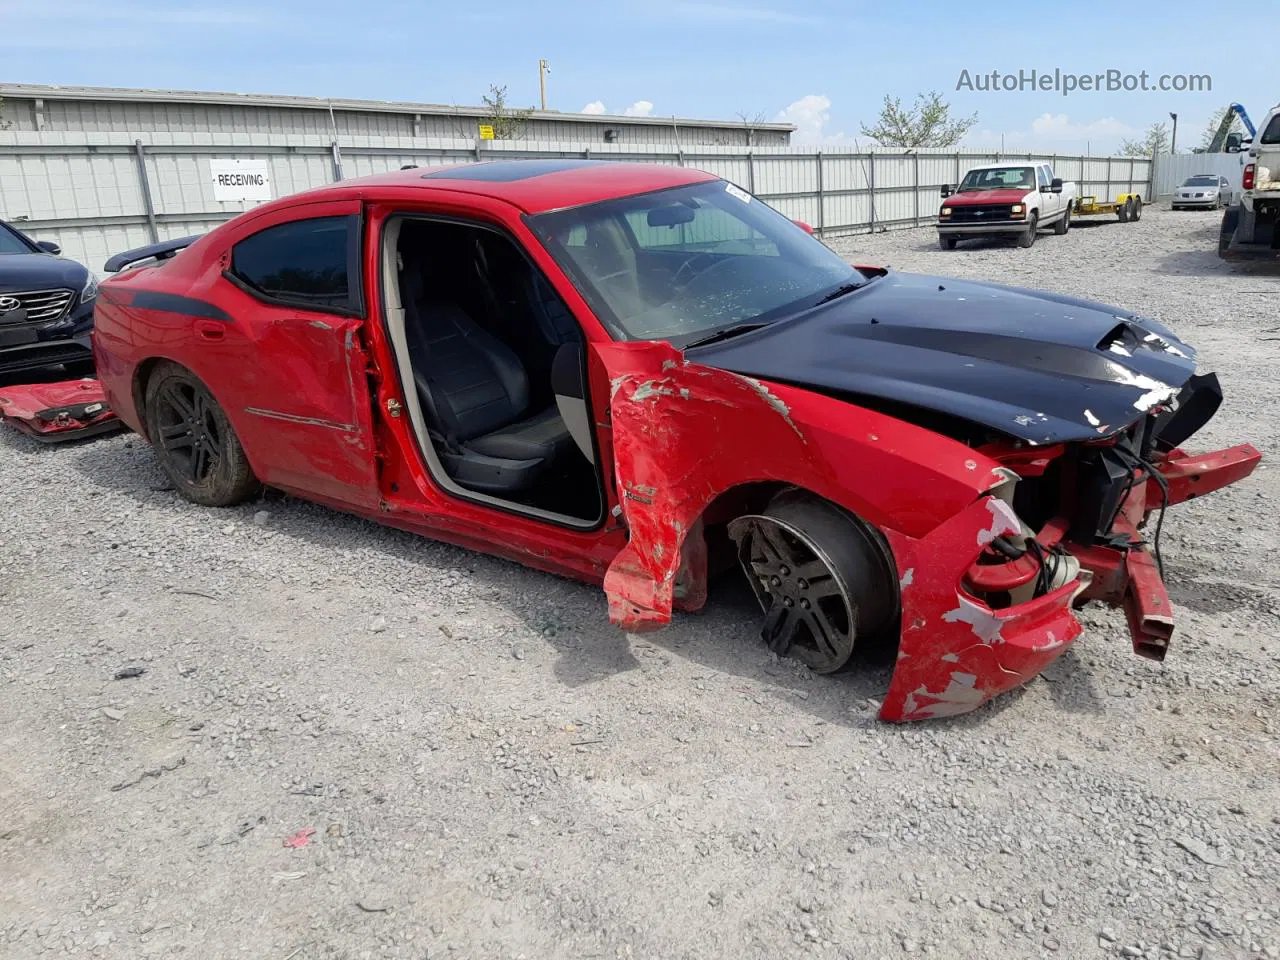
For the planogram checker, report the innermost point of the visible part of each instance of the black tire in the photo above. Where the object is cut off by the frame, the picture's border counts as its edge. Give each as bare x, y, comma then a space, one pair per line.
1230, 220
1136, 213
822, 577
947, 243
1123, 213
1174, 206
1028, 237
1063, 223
194, 440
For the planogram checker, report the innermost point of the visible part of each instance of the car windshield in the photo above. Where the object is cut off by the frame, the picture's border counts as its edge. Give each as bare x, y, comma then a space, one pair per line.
999, 178
11, 242
678, 264
1272, 133
1201, 182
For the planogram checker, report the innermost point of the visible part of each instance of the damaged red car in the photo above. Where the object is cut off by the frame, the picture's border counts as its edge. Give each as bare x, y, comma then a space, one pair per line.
639, 375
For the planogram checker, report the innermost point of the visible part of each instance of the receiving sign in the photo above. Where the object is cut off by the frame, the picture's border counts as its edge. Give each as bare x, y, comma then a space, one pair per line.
237, 180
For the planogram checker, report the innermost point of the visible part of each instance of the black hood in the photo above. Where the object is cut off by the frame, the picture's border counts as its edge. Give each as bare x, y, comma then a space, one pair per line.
40, 271
1040, 367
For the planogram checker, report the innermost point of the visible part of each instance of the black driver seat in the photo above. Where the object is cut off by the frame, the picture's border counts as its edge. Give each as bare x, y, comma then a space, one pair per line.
475, 396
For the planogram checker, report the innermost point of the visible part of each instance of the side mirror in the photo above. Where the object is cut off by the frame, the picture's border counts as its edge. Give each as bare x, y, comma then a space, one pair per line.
48, 246
946, 190
803, 226
1056, 185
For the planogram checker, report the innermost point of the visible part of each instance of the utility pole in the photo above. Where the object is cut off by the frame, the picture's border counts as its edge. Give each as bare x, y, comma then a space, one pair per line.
543, 69
1173, 141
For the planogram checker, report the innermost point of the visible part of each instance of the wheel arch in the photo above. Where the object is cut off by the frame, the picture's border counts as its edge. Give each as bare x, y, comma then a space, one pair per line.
146, 369
142, 375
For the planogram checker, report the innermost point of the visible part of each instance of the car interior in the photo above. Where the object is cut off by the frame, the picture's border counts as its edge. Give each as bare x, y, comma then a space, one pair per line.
496, 362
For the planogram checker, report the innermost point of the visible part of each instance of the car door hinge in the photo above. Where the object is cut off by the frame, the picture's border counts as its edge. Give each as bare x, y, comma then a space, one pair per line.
393, 407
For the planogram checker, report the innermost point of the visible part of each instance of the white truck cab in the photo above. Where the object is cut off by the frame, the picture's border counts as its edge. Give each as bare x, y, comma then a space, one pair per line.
1016, 199
1249, 228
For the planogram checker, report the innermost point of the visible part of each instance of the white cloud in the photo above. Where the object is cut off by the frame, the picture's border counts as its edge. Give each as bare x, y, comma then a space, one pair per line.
1059, 131
641, 108
810, 116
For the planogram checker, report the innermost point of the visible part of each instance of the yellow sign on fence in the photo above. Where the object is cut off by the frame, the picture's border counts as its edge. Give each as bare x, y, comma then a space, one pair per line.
486, 131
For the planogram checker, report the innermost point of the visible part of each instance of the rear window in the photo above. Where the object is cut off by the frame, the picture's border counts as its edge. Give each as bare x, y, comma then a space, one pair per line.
306, 263
1272, 133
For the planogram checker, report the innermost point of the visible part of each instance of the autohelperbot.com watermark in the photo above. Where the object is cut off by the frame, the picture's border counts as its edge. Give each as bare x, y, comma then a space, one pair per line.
1066, 83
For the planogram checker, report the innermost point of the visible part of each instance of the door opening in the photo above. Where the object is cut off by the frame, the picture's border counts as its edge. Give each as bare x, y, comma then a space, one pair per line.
492, 362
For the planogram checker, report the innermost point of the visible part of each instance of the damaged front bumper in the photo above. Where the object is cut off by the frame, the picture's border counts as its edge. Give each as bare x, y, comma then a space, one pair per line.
987, 602
58, 412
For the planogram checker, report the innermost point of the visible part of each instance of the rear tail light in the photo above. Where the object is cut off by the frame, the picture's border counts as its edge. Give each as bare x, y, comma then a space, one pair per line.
1249, 172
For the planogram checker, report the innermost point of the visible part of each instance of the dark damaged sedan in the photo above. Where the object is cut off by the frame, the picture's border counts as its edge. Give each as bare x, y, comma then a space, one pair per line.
640, 375
46, 306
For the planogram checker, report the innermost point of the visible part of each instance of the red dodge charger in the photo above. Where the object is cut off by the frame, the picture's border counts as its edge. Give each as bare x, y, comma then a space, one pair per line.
640, 375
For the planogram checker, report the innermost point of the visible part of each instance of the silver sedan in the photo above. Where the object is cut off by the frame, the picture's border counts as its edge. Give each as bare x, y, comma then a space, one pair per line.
1203, 190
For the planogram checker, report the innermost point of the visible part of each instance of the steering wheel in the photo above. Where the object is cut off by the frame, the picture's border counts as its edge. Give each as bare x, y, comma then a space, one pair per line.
689, 267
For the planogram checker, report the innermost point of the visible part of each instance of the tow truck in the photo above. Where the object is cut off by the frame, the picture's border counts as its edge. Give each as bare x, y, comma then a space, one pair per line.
1249, 228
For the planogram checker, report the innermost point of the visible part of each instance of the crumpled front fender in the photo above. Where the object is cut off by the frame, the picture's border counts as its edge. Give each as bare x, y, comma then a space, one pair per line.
682, 434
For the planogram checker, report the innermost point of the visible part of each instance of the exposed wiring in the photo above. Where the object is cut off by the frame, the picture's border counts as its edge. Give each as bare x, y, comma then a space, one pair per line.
1137, 462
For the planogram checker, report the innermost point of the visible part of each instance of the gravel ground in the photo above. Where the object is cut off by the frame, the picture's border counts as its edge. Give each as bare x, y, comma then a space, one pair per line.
476, 765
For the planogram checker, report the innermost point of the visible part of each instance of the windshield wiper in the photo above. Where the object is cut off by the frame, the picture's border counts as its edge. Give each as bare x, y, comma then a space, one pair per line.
725, 333
840, 291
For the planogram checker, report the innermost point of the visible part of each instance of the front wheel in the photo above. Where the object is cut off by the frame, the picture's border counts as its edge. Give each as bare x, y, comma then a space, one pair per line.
947, 243
820, 575
1028, 237
194, 440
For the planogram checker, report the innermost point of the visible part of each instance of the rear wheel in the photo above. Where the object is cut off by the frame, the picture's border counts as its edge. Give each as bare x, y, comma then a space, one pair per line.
1028, 237
194, 440
1135, 213
947, 243
1125, 210
820, 575
1064, 224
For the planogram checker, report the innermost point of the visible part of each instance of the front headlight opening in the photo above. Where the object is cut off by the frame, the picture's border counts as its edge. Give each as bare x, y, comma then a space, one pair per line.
90, 291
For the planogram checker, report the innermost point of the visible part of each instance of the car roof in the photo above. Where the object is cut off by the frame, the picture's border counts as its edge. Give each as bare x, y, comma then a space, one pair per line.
535, 186
1008, 164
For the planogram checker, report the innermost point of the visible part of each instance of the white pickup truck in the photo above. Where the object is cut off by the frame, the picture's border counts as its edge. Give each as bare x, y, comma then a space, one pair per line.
1249, 228
1013, 199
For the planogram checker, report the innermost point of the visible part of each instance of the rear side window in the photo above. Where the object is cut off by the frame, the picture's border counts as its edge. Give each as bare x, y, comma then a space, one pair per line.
305, 263
1272, 133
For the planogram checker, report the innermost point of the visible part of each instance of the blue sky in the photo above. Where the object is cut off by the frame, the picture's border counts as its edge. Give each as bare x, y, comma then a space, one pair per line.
822, 64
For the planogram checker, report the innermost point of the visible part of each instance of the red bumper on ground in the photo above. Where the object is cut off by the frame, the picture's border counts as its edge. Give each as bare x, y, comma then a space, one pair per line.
57, 412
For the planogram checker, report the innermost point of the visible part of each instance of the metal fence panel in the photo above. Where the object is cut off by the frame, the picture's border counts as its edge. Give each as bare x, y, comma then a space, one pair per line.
1171, 170
87, 190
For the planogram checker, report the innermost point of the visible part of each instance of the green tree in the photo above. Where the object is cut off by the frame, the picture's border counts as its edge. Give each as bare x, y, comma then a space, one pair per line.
926, 123
507, 122
1155, 140
1211, 130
